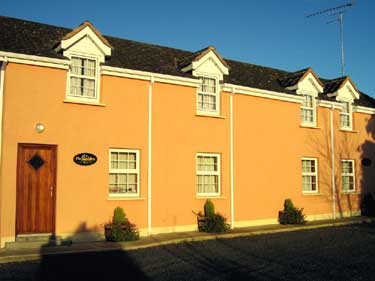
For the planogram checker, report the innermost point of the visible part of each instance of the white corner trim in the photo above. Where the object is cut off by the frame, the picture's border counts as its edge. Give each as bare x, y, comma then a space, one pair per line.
145, 75
262, 93
363, 109
34, 60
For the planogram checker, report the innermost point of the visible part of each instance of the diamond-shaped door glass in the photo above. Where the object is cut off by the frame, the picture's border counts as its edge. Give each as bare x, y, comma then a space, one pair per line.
36, 162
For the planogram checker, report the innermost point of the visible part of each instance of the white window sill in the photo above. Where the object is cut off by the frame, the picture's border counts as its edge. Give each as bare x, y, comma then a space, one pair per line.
350, 192
210, 197
114, 198
310, 126
312, 193
210, 115
84, 102
348, 130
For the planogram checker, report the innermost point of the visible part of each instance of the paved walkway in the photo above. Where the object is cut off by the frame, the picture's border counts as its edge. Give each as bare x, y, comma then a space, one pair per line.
27, 254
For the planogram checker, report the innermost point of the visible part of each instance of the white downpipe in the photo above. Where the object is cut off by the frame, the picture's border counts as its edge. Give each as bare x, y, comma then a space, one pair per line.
231, 159
333, 183
2, 75
149, 160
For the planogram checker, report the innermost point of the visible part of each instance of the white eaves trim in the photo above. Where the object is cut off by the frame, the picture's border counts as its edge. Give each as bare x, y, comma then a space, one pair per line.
144, 75
329, 104
34, 60
261, 93
363, 109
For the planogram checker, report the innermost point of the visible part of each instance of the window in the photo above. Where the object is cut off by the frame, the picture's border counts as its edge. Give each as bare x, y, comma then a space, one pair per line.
309, 175
83, 78
207, 95
308, 109
347, 174
208, 174
345, 115
123, 172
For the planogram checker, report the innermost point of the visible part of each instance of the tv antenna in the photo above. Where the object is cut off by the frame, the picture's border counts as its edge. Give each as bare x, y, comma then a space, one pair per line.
339, 11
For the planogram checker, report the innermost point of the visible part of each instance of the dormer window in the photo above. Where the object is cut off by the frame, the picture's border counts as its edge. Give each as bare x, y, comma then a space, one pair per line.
308, 109
346, 115
83, 79
207, 99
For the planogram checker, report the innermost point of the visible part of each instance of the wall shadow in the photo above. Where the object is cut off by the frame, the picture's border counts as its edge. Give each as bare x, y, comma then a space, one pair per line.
108, 263
346, 145
367, 150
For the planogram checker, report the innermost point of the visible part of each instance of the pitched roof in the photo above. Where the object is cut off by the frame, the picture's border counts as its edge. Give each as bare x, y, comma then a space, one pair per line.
31, 38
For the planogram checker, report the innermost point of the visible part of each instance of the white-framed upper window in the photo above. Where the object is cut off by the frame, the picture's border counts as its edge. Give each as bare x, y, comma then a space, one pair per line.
308, 109
208, 174
348, 175
123, 172
83, 79
208, 97
309, 175
346, 115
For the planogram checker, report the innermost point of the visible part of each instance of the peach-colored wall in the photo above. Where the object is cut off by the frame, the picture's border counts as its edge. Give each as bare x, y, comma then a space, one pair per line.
178, 134
36, 94
268, 145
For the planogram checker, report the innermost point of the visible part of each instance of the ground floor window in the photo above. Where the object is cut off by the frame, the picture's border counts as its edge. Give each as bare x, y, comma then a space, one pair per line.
309, 175
208, 174
347, 174
123, 172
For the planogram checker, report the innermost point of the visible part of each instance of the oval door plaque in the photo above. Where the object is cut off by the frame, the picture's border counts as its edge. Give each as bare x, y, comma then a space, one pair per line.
85, 159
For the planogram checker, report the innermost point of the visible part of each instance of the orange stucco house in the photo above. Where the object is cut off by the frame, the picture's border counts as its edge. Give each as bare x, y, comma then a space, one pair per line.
163, 130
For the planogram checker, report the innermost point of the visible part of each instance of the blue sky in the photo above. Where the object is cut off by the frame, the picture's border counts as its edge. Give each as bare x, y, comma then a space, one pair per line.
274, 33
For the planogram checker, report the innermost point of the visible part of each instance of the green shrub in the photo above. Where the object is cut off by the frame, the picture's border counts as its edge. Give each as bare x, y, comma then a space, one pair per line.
209, 208
291, 214
211, 221
215, 223
119, 216
120, 229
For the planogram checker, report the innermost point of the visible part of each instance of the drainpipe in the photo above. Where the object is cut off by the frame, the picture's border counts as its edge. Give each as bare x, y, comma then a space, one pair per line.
332, 163
149, 160
2, 75
231, 158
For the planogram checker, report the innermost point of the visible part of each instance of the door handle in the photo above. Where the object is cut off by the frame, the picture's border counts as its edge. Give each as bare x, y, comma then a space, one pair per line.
51, 190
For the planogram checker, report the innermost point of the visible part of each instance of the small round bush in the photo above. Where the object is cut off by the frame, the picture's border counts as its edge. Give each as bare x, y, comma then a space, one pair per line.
209, 208
119, 216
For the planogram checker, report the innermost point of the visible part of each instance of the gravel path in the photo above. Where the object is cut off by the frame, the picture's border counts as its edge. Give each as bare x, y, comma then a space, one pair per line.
337, 253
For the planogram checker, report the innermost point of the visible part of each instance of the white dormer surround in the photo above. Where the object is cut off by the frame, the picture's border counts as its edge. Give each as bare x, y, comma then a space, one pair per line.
308, 86
86, 48
346, 93
210, 68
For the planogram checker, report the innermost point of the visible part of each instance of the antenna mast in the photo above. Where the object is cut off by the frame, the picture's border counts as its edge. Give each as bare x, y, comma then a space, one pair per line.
339, 10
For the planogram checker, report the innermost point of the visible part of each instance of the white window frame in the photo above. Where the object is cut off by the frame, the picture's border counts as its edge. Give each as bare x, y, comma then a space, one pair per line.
124, 171
310, 174
209, 173
312, 108
347, 175
86, 99
350, 114
216, 94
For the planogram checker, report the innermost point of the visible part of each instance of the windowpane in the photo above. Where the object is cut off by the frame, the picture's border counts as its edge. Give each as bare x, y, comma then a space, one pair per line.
207, 174
348, 182
207, 96
123, 178
82, 77
309, 175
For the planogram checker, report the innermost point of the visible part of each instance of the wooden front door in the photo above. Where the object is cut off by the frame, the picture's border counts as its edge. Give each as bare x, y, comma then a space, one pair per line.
36, 188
